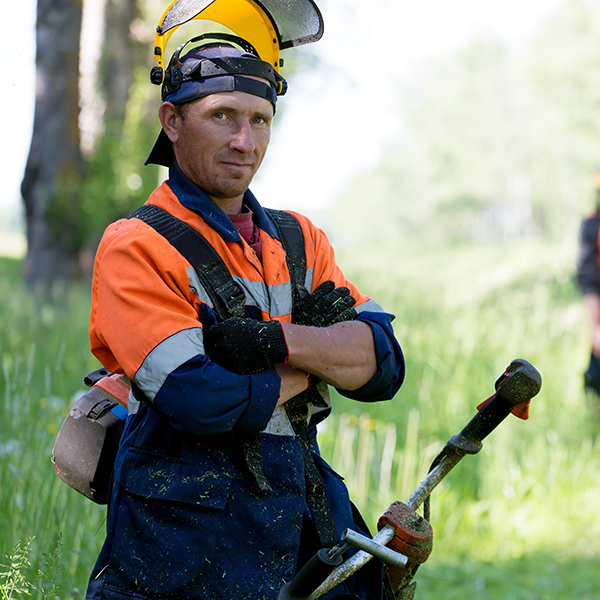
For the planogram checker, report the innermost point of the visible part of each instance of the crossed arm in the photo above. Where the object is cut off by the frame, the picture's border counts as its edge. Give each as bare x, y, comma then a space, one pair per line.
342, 355
324, 341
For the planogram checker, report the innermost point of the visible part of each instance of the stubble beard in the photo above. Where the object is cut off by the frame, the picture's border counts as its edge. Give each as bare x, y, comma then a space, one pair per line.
226, 189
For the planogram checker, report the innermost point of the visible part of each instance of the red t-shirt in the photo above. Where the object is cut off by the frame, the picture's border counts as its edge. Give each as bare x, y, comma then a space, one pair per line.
248, 229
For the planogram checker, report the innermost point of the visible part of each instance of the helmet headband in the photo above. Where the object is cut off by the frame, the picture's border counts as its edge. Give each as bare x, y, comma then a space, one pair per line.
198, 65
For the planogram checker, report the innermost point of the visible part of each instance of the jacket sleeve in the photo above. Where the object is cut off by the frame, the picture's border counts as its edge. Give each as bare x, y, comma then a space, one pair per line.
390, 360
321, 266
221, 401
145, 323
588, 272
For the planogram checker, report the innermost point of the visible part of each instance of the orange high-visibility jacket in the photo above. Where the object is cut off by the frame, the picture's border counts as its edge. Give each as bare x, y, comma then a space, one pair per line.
147, 300
184, 520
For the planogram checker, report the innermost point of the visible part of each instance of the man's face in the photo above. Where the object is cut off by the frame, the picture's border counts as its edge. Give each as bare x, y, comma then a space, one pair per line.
220, 141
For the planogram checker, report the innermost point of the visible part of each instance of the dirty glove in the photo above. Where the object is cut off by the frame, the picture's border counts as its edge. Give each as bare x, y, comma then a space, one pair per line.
325, 306
245, 346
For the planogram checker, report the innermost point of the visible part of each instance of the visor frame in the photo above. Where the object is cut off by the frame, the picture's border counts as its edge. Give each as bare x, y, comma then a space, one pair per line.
271, 25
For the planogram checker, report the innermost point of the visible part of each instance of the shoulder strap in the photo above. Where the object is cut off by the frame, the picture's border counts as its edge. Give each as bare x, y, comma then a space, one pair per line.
227, 296
292, 239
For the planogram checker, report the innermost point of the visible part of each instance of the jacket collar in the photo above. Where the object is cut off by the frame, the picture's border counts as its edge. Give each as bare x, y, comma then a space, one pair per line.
194, 198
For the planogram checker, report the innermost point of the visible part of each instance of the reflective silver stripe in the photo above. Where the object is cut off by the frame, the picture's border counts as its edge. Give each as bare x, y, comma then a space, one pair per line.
166, 357
275, 300
281, 299
279, 424
133, 404
255, 291
369, 305
197, 288
309, 278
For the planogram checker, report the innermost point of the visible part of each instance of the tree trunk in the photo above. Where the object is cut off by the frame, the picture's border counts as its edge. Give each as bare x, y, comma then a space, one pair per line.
120, 55
54, 166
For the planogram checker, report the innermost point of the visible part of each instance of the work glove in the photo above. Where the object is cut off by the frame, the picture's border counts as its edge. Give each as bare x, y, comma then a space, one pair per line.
325, 306
246, 346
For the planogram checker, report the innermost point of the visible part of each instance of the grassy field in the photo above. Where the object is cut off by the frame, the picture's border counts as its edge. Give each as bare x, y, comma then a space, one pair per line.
517, 521
520, 519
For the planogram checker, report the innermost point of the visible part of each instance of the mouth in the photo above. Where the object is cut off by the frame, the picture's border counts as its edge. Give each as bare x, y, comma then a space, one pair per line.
237, 168
236, 165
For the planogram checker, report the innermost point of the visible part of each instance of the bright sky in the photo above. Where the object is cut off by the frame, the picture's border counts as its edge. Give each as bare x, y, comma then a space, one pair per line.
339, 117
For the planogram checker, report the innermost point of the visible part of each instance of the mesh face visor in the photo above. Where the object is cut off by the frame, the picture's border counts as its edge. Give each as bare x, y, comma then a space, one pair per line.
269, 25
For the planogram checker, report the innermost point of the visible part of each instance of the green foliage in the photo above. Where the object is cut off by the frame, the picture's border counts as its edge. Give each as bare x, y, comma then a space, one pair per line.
515, 521
498, 142
44, 355
117, 182
13, 581
538, 576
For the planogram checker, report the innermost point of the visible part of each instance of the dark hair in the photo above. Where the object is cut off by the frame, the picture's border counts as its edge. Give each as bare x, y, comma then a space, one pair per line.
183, 109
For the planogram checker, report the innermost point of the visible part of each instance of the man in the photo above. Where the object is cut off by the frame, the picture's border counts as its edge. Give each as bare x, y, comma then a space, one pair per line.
218, 488
588, 279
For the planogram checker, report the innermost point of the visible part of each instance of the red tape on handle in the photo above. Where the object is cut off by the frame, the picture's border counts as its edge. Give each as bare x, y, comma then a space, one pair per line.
520, 410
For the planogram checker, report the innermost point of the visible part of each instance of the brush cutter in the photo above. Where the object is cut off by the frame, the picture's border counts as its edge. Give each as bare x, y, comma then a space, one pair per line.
405, 538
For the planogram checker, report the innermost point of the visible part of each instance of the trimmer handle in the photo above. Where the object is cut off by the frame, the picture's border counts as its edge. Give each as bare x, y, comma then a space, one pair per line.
310, 577
520, 382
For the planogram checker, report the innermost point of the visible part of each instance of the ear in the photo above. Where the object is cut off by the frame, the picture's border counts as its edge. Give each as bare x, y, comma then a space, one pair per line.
170, 119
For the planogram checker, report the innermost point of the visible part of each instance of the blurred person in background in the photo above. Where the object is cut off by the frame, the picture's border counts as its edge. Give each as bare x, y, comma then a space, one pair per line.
588, 279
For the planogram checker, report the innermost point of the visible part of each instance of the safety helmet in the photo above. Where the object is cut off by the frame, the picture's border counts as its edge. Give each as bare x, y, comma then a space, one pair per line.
224, 62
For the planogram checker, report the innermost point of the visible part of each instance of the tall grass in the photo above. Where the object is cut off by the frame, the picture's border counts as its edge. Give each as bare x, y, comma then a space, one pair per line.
43, 356
519, 520
534, 489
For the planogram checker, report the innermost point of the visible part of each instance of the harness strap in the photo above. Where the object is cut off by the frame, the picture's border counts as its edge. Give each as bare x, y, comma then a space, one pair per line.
292, 239
226, 294
297, 409
229, 300
316, 499
254, 462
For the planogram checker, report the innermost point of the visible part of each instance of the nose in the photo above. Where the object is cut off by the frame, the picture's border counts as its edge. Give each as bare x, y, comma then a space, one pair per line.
242, 140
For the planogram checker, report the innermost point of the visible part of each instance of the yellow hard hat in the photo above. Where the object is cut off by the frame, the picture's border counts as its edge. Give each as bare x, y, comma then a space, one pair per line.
268, 25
